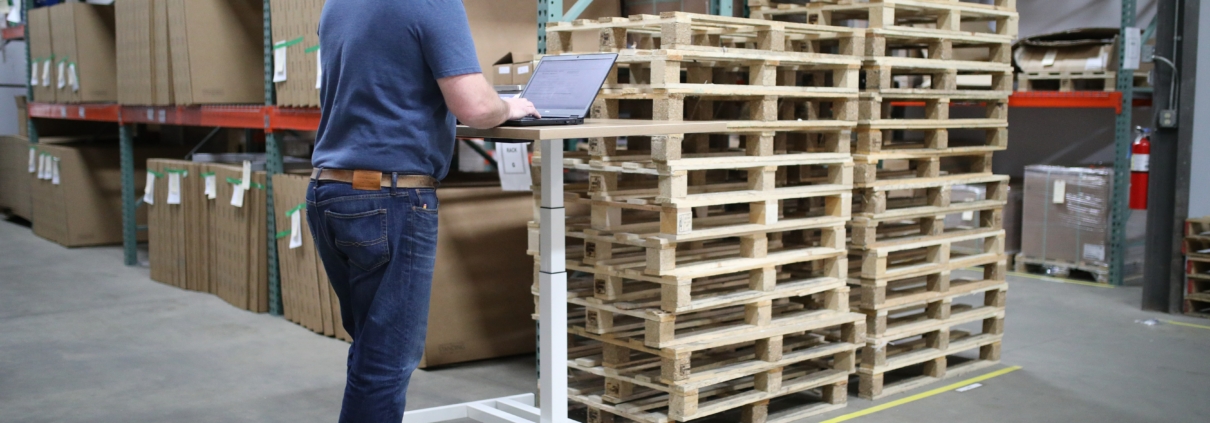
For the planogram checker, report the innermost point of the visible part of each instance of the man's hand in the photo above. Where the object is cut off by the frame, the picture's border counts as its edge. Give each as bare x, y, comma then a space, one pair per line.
519, 108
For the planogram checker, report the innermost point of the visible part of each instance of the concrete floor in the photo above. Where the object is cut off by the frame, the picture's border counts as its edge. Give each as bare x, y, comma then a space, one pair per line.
85, 339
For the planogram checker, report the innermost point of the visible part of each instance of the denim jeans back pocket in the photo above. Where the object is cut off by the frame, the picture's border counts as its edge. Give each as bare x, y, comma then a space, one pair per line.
362, 237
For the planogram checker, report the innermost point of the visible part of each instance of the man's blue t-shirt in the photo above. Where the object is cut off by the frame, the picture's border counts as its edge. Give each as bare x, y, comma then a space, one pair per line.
382, 108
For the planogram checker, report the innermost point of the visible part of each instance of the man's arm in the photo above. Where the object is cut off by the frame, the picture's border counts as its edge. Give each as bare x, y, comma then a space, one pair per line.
474, 102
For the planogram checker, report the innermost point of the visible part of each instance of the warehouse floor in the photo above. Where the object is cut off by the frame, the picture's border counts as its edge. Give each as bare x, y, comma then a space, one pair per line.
85, 339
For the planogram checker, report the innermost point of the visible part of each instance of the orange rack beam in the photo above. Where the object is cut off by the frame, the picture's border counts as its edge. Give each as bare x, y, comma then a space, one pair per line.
13, 33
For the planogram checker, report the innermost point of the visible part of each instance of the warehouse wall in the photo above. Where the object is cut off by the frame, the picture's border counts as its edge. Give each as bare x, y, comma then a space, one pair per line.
12, 83
1045, 16
1199, 171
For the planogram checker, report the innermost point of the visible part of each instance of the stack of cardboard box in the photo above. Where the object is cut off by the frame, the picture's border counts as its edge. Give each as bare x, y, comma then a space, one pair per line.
296, 51
15, 177
189, 52
72, 53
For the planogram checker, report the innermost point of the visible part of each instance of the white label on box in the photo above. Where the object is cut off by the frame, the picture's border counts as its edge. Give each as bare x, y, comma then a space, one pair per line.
968, 216
246, 176
174, 188
33, 165
295, 230
513, 166
279, 64
1049, 58
73, 79
42, 167
237, 196
149, 190
1133, 48
54, 171
1140, 163
504, 70
211, 189
1094, 252
523, 70
33, 77
163, 115
151, 114
46, 73
62, 75
1094, 63
319, 69
1059, 195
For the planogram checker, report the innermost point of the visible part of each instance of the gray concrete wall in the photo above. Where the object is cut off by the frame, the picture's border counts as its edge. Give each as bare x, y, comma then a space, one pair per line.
1199, 171
1045, 16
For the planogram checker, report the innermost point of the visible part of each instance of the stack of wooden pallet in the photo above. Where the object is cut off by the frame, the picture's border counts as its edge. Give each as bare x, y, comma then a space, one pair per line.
709, 271
1197, 267
907, 235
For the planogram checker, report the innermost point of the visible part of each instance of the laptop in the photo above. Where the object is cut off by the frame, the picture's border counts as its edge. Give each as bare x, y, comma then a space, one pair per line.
563, 88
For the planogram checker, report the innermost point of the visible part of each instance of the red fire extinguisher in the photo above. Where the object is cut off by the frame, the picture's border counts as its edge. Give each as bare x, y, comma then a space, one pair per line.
1140, 165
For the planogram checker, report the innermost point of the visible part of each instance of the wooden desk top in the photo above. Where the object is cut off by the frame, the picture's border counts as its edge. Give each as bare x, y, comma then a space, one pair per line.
594, 128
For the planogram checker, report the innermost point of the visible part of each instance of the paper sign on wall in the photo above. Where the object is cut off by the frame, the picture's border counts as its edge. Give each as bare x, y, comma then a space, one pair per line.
513, 166
149, 190
174, 188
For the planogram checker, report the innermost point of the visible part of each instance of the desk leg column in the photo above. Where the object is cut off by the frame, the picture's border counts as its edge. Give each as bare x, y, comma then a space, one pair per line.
552, 277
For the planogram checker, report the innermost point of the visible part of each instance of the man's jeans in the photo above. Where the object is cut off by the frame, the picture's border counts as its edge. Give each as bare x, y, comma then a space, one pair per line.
378, 248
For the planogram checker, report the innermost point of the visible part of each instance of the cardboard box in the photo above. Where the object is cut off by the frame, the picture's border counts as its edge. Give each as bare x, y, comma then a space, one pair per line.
1066, 218
481, 311
1082, 51
217, 50
161, 45
84, 41
239, 241
42, 55
15, 178
136, 52
500, 27
296, 35
85, 207
306, 299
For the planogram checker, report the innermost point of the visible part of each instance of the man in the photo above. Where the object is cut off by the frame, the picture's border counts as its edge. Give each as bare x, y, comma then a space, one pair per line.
395, 74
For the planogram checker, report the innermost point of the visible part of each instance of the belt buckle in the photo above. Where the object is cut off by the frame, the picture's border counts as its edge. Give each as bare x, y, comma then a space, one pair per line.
367, 180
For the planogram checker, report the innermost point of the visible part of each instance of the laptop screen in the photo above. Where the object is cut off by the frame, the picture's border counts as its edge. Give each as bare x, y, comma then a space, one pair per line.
567, 85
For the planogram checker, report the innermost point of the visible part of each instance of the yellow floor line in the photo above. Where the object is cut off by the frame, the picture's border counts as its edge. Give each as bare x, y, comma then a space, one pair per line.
1060, 280
924, 395
1191, 325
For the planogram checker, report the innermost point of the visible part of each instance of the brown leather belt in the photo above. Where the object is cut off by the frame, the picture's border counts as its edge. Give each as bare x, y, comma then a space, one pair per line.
372, 179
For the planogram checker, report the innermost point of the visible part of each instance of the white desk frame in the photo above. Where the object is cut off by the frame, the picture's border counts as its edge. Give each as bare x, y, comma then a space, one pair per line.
552, 271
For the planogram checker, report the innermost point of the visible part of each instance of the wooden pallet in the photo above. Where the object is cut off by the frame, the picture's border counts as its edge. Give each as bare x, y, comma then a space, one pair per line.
982, 214
895, 260
1075, 81
884, 200
874, 108
922, 305
945, 15
1062, 269
658, 385
707, 33
932, 340
873, 172
1197, 246
882, 74
873, 139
